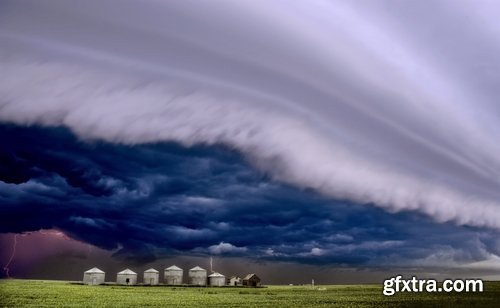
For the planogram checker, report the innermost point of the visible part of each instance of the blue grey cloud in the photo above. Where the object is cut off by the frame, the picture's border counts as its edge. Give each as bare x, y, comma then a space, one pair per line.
162, 199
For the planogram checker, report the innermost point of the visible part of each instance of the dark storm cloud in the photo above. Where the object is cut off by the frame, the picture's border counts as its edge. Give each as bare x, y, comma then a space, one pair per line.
163, 199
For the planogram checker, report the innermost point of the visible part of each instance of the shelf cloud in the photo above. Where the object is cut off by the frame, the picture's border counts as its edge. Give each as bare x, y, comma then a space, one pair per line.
381, 103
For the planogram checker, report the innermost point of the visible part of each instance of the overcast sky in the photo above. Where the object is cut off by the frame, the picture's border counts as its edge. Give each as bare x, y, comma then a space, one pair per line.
330, 133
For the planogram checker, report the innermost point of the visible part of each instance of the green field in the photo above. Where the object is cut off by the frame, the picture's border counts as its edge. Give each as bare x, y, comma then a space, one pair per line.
37, 293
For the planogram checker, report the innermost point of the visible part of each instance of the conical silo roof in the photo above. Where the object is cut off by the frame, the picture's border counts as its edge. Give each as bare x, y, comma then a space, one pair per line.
94, 270
174, 268
151, 270
127, 272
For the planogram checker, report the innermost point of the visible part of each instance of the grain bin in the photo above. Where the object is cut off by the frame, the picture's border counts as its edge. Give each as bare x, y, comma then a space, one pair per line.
173, 275
151, 276
197, 276
216, 280
93, 276
126, 277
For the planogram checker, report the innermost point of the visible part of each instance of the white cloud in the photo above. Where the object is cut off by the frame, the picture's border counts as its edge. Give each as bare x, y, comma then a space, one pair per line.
317, 251
223, 248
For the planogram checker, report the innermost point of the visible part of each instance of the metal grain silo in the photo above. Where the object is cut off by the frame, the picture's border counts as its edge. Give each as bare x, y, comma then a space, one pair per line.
173, 275
216, 280
126, 277
197, 276
93, 276
151, 276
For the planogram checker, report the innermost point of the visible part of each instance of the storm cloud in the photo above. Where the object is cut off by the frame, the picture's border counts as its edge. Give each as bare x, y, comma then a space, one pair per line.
193, 126
157, 200
356, 101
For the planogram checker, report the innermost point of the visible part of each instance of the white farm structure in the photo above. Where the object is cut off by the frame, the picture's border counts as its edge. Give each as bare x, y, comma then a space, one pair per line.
216, 280
151, 277
93, 276
126, 277
197, 276
173, 275
235, 281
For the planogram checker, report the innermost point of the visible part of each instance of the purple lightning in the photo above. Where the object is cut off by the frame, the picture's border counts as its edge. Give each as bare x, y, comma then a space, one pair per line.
6, 267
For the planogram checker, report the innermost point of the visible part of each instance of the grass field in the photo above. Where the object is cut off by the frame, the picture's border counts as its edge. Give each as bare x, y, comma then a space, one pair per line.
37, 293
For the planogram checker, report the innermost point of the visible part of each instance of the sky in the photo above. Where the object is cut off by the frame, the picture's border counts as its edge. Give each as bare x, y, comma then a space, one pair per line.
355, 138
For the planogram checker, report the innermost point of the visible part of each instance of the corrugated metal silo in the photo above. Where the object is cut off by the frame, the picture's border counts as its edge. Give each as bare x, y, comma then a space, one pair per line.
197, 276
126, 277
173, 275
93, 276
216, 280
151, 276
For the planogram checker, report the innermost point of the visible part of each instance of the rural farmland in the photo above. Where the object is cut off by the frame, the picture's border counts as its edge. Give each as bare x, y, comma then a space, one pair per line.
44, 293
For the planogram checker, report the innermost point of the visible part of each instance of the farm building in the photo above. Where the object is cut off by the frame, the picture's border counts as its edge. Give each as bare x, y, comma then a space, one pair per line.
173, 275
235, 281
251, 280
151, 276
216, 279
197, 276
126, 277
93, 276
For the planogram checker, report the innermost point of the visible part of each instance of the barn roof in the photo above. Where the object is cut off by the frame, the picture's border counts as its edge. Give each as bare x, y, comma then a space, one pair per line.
250, 276
127, 272
197, 268
94, 270
215, 274
151, 270
174, 268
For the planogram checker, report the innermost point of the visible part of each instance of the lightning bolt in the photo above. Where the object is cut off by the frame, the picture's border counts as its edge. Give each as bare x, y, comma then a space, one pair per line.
6, 268
56, 233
